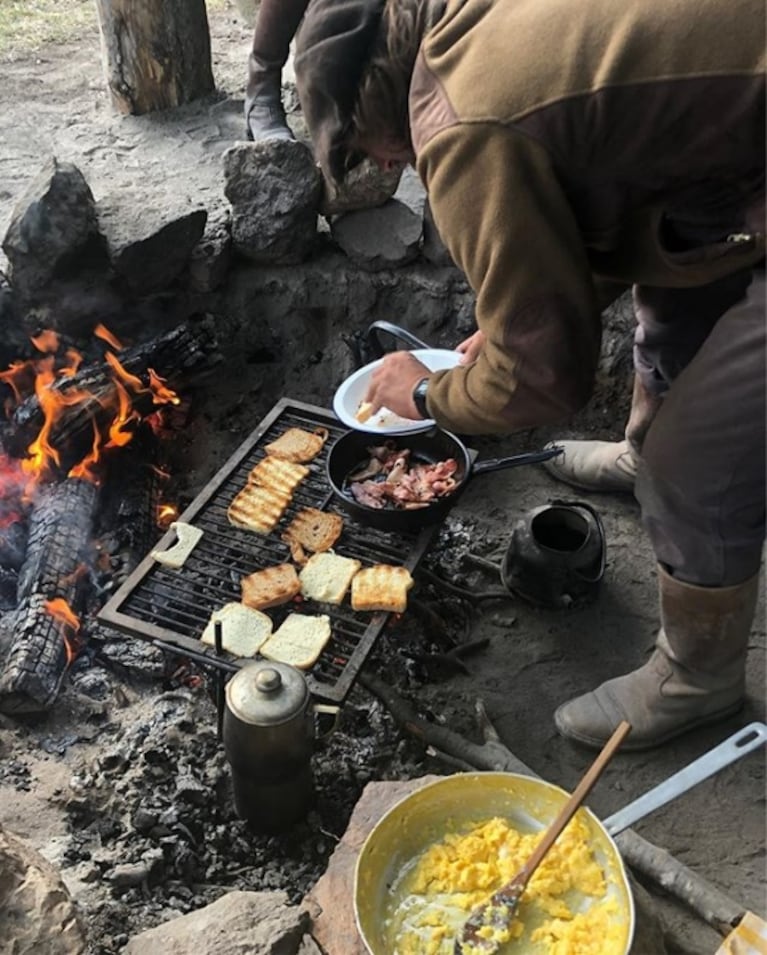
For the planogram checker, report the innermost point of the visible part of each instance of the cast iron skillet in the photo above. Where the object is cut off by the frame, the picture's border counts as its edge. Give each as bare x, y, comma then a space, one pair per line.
350, 452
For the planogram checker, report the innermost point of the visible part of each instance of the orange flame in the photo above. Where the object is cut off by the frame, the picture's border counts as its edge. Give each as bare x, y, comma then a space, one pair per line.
47, 341
166, 514
39, 375
162, 395
102, 332
69, 624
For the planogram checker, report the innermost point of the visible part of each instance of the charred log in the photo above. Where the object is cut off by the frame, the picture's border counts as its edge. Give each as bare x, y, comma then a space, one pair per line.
177, 356
55, 566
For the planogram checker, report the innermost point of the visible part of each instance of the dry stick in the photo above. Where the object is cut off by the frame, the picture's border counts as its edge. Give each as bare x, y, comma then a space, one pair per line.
701, 896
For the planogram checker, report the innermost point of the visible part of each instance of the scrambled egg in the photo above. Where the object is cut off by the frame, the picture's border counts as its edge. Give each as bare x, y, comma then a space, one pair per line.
565, 909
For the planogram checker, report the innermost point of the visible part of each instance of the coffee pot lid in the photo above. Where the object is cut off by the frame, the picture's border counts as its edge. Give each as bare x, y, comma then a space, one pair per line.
265, 693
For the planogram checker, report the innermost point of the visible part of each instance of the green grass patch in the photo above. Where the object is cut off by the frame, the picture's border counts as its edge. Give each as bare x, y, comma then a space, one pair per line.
28, 25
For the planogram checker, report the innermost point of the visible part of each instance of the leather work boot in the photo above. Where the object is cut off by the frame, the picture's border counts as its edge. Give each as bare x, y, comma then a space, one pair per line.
695, 676
263, 108
607, 465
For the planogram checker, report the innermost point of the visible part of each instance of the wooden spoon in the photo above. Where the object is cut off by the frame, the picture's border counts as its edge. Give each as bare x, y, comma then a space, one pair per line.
497, 913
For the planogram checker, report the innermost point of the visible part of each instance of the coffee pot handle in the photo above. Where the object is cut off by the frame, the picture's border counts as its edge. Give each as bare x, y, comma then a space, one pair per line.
325, 709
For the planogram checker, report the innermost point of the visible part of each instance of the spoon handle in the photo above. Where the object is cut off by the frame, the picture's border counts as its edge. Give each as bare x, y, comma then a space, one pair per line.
572, 805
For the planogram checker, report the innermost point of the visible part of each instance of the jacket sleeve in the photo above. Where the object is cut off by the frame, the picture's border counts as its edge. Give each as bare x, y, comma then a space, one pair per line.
502, 214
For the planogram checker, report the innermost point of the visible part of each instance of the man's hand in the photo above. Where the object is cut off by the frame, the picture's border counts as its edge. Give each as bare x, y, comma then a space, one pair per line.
391, 385
471, 347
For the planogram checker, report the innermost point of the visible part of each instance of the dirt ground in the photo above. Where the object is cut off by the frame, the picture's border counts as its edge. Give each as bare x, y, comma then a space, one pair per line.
54, 102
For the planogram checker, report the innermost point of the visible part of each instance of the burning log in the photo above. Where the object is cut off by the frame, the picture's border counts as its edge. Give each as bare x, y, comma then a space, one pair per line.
88, 398
41, 630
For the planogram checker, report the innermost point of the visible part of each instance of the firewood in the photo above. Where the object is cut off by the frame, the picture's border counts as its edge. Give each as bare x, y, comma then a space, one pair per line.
56, 566
177, 356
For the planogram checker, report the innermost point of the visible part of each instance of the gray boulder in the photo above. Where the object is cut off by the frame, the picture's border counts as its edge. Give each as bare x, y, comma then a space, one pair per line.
274, 187
382, 238
150, 234
53, 227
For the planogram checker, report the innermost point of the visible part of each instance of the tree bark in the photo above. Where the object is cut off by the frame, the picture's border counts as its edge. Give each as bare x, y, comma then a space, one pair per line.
156, 53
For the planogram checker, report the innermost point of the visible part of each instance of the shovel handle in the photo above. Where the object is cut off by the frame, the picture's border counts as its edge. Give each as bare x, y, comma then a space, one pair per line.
735, 746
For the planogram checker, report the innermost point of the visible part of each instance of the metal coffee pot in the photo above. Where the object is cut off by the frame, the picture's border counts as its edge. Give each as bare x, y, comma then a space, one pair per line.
556, 556
269, 730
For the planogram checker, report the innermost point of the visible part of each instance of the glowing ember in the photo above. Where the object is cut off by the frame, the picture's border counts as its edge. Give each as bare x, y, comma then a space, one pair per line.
69, 624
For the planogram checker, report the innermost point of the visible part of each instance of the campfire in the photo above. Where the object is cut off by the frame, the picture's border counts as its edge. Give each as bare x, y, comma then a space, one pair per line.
67, 421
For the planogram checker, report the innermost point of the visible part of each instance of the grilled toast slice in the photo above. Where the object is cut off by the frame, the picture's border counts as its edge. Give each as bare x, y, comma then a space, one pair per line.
281, 475
299, 640
243, 630
312, 530
298, 445
381, 587
326, 577
270, 587
258, 508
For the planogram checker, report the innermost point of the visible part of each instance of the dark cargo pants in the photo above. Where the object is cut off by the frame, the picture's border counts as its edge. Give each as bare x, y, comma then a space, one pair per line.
701, 477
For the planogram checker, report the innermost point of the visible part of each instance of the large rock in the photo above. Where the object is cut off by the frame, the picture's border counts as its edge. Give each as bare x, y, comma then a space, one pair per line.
150, 235
37, 914
239, 923
53, 228
274, 187
383, 238
365, 187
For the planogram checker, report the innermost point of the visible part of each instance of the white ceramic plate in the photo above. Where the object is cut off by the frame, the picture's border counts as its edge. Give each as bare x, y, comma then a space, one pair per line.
351, 393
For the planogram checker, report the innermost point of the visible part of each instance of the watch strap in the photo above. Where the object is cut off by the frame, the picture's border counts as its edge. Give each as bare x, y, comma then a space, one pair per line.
419, 397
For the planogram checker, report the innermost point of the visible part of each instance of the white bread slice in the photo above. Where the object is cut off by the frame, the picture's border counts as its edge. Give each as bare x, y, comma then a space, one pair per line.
364, 412
326, 577
295, 444
314, 530
258, 508
281, 475
381, 587
176, 555
270, 587
299, 640
243, 630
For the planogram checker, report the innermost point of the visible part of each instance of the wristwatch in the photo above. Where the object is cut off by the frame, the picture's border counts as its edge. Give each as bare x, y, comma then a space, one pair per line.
419, 397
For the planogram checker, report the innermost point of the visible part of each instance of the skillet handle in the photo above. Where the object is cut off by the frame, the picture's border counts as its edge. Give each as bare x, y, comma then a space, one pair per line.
528, 457
735, 746
375, 347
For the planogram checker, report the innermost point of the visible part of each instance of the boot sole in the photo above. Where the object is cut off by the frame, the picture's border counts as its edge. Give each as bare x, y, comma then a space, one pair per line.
638, 747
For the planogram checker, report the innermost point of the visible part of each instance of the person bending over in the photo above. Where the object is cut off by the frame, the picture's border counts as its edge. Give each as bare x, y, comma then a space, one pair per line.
563, 167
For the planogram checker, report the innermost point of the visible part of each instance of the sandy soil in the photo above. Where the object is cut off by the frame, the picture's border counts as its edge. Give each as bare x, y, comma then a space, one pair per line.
54, 102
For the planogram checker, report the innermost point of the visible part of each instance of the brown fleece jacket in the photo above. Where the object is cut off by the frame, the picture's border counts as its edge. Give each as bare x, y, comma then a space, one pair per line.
565, 143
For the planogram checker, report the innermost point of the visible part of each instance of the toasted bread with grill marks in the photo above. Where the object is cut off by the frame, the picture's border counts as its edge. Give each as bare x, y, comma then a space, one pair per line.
381, 587
258, 508
299, 640
326, 577
313, 530
270, 587
279, 474
298, 445
243, 630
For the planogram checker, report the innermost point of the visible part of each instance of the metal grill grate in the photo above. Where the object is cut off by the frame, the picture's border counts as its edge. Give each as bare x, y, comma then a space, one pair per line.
171, 607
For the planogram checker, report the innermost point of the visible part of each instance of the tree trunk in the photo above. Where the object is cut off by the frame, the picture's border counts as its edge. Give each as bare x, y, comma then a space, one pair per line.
156, 52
